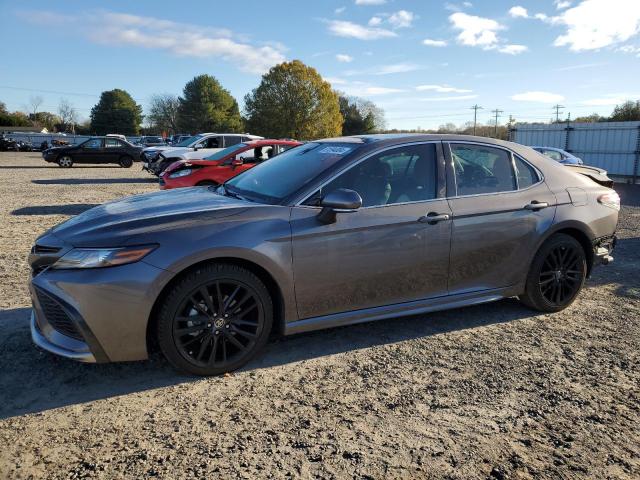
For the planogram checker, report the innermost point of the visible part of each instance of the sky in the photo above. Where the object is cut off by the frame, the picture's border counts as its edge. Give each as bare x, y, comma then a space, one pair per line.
425, 62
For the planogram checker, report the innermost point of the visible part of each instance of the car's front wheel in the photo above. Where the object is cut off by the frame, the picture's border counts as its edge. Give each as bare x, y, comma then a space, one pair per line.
215, 319
65, 161
556, 275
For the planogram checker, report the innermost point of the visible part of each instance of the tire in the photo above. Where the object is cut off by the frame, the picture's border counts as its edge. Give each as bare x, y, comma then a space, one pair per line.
65, 161
200, 341
125, 162
556, 275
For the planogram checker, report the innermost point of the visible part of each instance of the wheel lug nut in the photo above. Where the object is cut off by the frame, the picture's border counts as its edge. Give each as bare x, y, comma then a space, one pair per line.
226, 315
217, 332
227, 326
208, 324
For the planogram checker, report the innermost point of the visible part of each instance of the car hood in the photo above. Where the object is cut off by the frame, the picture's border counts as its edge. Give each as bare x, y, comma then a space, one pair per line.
125, 221
166, 149
187, 163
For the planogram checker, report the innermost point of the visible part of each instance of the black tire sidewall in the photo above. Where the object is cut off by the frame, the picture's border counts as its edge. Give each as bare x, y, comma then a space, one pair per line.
533, 296
203, 275
125, 162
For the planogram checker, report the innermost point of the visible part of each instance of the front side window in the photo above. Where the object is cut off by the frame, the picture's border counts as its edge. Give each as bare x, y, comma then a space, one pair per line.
93, 143
400, 175
479, 169
212, 142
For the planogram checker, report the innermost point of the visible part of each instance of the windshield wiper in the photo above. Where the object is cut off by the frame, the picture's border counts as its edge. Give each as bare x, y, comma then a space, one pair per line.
229, 193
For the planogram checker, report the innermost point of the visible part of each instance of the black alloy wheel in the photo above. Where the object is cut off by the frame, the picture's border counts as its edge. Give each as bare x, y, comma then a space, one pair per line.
557, 274
215, 320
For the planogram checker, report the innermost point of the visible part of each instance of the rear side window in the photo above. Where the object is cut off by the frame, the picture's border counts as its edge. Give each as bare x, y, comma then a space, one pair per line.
232, 140
525, 173
479, 169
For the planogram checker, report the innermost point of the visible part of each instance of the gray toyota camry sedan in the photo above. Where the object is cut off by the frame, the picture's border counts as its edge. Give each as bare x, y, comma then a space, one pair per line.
332, 232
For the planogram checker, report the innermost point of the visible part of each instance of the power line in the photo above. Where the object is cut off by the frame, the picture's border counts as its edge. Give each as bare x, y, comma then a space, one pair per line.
475, 109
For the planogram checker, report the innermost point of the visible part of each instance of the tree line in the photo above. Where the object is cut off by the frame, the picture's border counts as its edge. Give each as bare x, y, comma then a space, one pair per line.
291, 101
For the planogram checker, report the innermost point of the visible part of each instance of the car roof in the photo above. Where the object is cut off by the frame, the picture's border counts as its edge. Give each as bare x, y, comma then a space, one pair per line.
261, 141
393, 138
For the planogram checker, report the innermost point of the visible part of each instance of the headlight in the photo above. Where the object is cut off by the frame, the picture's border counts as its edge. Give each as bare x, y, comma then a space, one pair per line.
181, 173
102, 257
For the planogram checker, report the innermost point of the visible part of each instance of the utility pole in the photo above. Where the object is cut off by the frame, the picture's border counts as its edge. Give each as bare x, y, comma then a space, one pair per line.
557, 109
497, 112
511, 122
475, 109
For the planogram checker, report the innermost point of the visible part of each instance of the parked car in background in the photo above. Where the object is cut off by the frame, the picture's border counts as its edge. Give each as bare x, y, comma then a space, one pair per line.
175, 139
330, 233
156, 159
559, 155
151, 141
223, 165
94, 150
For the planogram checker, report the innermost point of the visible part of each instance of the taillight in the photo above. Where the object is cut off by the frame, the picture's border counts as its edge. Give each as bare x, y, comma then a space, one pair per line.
610, 199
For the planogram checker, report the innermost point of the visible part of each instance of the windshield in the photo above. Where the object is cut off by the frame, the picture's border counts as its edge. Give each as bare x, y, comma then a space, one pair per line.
226, 151
284, 174
187, 141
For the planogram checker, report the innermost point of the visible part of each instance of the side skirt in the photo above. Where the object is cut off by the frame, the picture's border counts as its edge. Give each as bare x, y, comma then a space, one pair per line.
401, 309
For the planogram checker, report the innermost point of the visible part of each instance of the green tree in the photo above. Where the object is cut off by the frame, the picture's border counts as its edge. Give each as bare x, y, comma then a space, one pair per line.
46, 120
116, 112
15, 119
207, 107
293, 101
626, 112
356, 121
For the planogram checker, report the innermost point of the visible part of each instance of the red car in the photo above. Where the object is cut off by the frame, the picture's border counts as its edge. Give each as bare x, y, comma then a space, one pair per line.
222, 165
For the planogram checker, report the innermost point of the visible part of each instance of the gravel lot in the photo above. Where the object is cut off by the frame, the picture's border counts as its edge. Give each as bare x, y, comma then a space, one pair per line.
489, 391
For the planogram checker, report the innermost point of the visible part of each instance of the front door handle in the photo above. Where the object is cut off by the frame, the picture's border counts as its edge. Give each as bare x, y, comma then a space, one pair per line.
535, 205
432, 218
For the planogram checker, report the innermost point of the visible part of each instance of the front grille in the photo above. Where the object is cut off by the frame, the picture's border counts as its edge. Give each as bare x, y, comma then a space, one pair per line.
56, 316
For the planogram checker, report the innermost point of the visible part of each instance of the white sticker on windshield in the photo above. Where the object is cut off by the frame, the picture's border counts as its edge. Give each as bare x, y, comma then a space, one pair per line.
335, 150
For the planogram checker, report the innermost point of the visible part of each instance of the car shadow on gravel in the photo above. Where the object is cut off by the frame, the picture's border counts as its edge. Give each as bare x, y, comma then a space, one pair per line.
93, 181
65, 209
34, 381
22, 167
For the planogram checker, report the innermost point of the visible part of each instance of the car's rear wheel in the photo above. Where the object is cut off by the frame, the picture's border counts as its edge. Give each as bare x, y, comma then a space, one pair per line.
65, 161
126, 162
556, 275
215, 320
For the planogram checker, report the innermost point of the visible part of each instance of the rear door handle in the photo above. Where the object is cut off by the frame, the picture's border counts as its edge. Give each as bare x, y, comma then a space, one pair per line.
535, 205
432, 218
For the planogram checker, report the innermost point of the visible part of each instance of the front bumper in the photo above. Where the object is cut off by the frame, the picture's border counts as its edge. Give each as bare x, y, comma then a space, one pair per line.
60, 349
95, 315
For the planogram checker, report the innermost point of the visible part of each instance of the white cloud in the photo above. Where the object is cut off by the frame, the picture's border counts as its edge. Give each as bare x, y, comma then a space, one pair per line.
562, 4
380, 90
518, 12
611, 99
447, 99
467, 4
396, 68
343, 57
362, 89
541, 16
370, 2
339, 10
188, 40
442, 89
349, 29
540, 97
401, 19
336, 80
434, 43
513, 49
594, 24
475, 31
375, 21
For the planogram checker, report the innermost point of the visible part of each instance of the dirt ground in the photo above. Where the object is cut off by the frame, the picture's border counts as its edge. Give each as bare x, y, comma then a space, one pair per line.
489, 391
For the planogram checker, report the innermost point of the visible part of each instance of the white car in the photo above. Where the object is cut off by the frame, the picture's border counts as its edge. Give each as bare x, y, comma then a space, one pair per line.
198, 146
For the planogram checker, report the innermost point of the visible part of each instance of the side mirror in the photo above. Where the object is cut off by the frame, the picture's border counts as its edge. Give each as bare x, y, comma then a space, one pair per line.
236, 162
338, 201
